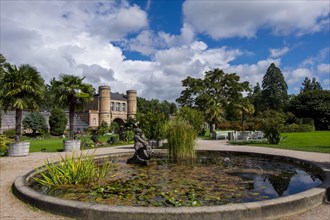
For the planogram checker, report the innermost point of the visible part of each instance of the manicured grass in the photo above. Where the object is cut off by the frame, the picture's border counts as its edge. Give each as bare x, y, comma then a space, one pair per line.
317, 141
46, 145
56, 144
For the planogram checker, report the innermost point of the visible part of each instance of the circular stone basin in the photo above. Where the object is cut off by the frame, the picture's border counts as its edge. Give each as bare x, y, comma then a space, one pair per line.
216, 185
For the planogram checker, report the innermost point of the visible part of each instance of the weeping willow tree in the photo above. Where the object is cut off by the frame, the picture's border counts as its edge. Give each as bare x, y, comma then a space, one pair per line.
181, 138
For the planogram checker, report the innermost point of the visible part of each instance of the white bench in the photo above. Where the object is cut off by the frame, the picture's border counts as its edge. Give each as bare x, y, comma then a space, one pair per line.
221, 135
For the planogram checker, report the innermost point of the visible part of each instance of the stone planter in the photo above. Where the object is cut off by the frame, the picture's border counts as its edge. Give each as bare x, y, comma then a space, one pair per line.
19, 149
71, 145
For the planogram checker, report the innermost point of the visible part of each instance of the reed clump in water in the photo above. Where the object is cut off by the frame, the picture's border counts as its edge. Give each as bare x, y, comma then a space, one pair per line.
181, 138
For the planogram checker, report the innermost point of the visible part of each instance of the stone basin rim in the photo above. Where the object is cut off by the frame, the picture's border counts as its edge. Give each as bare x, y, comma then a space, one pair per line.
266, 209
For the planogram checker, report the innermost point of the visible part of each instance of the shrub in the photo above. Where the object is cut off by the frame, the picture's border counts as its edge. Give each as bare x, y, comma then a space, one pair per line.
85, 144
113, 139
181, 140
193, 116
129, 136
57, 122
72, 170
153, 125
103, 128
4, 141
36, 122
271, 124
10, 133
298, 128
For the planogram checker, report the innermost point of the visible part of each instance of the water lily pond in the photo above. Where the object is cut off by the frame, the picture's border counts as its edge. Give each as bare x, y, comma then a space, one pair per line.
214, 178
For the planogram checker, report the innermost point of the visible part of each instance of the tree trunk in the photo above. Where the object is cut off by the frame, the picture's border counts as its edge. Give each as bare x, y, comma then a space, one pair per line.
243, 119
212, 127
18, 125
71, 121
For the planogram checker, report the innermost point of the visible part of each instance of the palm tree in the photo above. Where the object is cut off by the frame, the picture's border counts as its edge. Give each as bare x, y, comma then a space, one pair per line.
72, 93
214, 113
22, 88
244, 107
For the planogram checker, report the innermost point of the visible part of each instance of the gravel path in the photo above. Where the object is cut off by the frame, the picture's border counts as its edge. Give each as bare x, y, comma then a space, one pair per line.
11, 167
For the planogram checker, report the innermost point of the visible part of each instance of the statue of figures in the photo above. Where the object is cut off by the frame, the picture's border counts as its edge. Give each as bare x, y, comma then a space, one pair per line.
143, 151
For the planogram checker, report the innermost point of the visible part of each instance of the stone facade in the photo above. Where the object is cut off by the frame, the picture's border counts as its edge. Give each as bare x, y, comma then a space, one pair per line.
109, 107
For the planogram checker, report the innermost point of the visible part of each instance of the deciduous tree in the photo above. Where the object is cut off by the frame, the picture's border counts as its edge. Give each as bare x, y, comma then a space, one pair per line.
213, 94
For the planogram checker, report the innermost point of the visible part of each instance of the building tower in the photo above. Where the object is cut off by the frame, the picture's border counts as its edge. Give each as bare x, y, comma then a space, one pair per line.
131, 103
104, 104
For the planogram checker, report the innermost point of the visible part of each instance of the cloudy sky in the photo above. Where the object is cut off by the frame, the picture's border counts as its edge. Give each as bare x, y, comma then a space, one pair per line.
152, 45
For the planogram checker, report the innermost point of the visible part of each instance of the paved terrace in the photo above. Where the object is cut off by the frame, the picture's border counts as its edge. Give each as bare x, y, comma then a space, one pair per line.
11, 167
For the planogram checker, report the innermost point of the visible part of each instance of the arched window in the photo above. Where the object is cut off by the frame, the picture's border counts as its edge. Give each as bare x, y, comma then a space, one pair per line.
94, 121
123, 107
112, 106
118, 106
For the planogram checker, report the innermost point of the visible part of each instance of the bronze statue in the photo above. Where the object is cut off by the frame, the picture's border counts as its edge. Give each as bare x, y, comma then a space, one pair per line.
143, 151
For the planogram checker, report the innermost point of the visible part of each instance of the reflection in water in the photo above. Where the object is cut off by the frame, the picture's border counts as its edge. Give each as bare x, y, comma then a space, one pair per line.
215, 178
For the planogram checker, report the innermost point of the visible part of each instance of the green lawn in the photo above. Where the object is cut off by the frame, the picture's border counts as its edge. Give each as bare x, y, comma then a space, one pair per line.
317, 141
56, 144
47, 145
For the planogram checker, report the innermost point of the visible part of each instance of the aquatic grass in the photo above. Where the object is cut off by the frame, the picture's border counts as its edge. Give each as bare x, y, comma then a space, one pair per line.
181, 138
73, 170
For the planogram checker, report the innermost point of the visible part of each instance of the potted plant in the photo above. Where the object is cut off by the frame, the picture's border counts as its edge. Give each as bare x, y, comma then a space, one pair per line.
70, 92
22, 88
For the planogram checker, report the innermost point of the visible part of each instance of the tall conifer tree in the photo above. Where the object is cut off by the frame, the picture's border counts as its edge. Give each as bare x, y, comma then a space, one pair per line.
274, 89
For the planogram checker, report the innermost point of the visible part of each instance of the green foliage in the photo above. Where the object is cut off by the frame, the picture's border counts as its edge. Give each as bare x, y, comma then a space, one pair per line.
271, 124
86, 144
181, 138
214, 94
193, 116
21, 88
113, 139
214, 114
153, 125
4, 141
217, 85
256, 99
114, 127
57, 121
71, 92
36, 122
310, 85
103, 128
10, 133
298, 128
145, 106
274, 89
313, 104
73, 170
129, 135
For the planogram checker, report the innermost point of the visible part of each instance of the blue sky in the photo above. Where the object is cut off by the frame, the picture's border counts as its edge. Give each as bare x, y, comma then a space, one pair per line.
152, 45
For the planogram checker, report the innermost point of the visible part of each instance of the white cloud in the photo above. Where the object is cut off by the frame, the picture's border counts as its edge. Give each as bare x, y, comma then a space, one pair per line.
324, 68
252, 72
73, 37
224, 19
297, 75
278, 52
326, 84
147, 42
